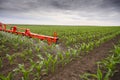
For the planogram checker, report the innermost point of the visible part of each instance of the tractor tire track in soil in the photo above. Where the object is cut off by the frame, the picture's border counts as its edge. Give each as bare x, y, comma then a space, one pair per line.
87, 63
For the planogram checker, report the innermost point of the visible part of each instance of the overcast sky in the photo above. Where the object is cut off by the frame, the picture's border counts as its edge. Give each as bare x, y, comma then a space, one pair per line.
63, 12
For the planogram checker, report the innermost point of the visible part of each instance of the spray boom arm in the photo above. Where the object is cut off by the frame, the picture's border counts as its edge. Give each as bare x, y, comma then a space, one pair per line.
28, 33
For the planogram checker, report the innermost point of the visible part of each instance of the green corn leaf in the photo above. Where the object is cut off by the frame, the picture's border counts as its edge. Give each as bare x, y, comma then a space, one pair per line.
99, 73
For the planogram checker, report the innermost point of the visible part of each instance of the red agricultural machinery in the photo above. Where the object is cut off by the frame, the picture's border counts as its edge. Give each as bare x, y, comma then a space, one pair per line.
28, 33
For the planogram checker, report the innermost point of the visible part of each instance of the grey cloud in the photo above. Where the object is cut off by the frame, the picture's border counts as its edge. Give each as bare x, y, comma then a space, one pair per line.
111, 5
115, 3
59, 4
29, 5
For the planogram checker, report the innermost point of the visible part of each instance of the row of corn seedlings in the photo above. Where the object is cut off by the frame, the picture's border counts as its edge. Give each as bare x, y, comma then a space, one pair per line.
107, 67
91, 45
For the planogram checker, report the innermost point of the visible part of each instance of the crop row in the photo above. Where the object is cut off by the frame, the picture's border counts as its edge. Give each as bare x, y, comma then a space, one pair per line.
107, 67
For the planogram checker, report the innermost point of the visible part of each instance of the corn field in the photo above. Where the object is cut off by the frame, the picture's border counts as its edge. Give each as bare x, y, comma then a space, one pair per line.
31, 59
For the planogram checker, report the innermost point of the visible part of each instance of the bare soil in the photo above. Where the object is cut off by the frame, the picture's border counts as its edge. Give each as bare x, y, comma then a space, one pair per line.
87, 63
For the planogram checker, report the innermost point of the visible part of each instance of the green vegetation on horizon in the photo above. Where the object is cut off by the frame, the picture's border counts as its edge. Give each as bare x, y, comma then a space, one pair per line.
72, 34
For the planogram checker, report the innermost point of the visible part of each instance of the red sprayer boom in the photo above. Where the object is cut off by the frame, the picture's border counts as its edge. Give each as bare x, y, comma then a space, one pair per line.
15, 30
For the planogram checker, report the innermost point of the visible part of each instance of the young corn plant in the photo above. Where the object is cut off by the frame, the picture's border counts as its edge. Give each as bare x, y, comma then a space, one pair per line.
60, 58
88, 47
8, 77
109, 64
67, 56
25, 72
98, 76
83, 46
10, 58
26, 54
29, 52
38, 66
16, 46
37, 48
97, 43
74, 53
48, 62
91, 45
54, 63
40, 57
117, 50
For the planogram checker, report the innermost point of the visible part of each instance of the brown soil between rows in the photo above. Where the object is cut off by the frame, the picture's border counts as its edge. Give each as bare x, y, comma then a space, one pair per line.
77, 67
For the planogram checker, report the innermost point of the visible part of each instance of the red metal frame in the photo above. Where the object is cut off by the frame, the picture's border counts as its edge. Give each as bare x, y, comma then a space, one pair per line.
28, 33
